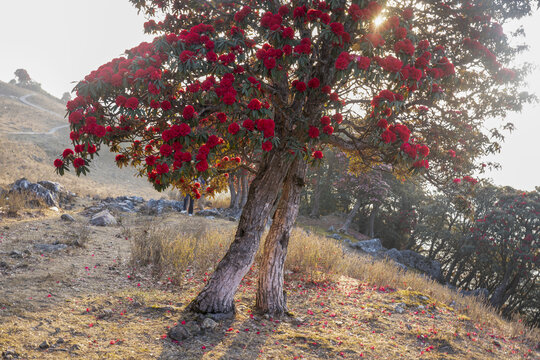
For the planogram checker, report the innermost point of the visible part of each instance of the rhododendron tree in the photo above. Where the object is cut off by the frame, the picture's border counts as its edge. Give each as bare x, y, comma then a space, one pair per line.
278, 81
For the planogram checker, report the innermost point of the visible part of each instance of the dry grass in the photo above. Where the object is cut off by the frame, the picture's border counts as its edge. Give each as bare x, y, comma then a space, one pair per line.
13, 204
99, 312
221, 200
191, 244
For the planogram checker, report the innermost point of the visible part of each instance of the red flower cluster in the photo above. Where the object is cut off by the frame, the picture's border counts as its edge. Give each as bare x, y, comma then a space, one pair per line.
389, 63
386, 95
343, 60
404, 46
367, 13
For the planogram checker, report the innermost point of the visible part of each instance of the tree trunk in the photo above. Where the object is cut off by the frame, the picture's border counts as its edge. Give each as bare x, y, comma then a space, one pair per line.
370, 226
244, 185
217, 297
232, 190
345, 227
316, 199
270, 295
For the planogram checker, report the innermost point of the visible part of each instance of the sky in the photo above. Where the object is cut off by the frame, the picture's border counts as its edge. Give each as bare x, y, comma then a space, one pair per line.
60, 41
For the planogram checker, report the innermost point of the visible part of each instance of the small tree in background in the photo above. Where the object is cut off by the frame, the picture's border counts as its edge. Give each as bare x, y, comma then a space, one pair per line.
22, 77
278, 81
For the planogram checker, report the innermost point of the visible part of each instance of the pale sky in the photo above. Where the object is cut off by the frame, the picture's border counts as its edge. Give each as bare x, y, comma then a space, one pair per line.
60, 41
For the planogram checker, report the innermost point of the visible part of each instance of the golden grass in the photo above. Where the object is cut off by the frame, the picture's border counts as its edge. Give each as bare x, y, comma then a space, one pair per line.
340, 310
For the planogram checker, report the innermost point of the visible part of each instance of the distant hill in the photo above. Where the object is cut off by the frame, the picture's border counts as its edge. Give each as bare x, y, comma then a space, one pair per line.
33, 132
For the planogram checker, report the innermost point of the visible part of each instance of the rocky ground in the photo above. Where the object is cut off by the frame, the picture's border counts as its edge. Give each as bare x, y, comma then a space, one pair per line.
69, 290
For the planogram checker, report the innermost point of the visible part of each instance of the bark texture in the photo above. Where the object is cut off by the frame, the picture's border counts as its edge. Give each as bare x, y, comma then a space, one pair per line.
217, 297
345, 227
270, 295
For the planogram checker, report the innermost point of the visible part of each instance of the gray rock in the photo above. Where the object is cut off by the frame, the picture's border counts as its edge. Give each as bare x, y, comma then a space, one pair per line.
103, 218
421, 263
209, 212
50, 247
410, 259
370, 246
336, 236
44, 345
209, 324
178, 333
16, 254
400, 308
331, 229
481, 293
160, 206
10, 354
67, 217
39, 191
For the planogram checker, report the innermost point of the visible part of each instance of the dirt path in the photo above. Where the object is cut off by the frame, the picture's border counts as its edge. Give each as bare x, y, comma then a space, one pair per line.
24, 100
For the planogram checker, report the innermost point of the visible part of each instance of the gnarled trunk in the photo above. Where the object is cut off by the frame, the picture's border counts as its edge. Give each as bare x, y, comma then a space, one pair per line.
217, 297
270, 297
370, 226
345, 227
232, 191
316, 199
244, 185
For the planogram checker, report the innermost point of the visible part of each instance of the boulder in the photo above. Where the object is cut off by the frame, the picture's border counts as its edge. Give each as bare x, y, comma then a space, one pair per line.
39, 191
103, 218
480, 293
160, 206
411, 259
209, 212
50, 247
372, 246
67, 217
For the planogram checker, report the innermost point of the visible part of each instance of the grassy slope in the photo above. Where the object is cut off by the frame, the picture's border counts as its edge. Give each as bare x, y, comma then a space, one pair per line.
103, 307
31, 156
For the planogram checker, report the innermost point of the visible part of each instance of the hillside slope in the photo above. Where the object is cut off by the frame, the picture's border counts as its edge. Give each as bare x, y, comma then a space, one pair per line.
33, 132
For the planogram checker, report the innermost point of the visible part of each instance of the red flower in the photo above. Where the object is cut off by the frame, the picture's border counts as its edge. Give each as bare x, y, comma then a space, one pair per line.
337, 28
202, 166
150, 160
401, 33
326, 89
78, 162
313, 132
325, 120
328, 129
255, 104
388, 137
338, 118
67, 152
58, 163
233, 128
166, 105
267, 145
383, 124
317, 154
162, 168
288, 33
300, 86
363, 62
165, 150
423, 150
248, 124
222, 117
121, 100
407, 14
75, 117
343, 61
456, 181
189, 112
314, 83
132, 103
186, 55
92, 149
270, 63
